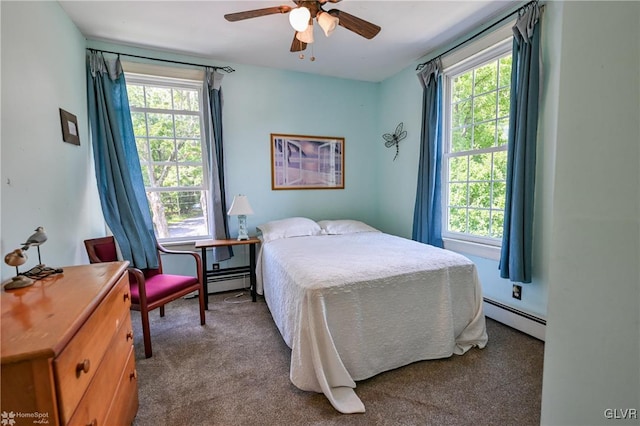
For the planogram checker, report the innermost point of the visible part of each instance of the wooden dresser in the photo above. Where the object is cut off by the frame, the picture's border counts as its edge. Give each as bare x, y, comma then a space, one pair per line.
67, 349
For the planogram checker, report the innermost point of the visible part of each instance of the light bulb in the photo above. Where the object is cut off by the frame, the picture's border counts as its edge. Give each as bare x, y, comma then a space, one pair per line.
327, 22
299, 18
306, 36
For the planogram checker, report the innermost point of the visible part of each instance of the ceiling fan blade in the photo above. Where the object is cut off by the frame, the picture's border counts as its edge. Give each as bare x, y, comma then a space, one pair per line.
353, 23
297, 45
247, 14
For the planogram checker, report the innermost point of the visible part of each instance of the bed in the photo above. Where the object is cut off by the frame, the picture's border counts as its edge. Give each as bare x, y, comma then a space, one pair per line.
352, 302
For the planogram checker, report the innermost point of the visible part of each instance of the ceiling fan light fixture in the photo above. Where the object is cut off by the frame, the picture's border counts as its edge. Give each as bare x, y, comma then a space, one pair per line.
306, 36
299, 18
327, 22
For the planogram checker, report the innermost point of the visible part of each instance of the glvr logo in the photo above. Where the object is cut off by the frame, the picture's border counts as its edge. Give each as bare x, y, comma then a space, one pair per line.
621, 413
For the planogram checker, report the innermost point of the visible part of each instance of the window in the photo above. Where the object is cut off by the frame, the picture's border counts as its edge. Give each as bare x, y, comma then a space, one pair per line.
476, 127
167, 123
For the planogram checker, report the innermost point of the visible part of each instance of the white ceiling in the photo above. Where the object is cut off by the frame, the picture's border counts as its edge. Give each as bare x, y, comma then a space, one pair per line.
410, 30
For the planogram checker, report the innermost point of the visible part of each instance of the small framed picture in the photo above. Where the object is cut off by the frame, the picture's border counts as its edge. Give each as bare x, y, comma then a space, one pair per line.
307, 162
69, 124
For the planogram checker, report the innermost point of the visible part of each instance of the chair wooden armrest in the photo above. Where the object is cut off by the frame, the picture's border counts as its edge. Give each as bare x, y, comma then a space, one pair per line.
140, 280
195, 255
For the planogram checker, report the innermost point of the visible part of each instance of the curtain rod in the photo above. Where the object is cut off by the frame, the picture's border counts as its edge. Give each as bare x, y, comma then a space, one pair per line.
468, 39
225, 69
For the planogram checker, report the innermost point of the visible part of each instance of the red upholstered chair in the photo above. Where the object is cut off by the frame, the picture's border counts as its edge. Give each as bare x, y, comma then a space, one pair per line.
150, 288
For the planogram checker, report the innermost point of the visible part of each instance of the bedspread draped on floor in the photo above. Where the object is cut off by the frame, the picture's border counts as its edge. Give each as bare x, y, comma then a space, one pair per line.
353, 306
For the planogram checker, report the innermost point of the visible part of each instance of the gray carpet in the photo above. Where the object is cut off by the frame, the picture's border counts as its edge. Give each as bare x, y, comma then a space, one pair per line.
235, 371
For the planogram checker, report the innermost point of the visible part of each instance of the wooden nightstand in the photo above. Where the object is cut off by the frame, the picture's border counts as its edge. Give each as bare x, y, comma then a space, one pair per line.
251, 268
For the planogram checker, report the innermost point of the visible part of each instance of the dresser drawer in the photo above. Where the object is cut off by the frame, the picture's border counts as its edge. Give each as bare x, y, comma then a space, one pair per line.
93, 408
78, 363
125, 402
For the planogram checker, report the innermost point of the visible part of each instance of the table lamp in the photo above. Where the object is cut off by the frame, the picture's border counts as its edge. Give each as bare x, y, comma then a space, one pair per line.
240, 207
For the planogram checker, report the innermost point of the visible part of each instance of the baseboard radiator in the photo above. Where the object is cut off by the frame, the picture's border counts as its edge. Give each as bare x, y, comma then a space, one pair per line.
228, 282
514, 318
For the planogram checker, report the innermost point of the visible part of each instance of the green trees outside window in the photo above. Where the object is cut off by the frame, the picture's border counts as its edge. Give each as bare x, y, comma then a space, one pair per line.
476, 160
167, 124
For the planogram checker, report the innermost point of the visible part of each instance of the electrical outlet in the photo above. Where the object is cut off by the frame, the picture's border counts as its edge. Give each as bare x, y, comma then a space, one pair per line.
517, 292
215, 266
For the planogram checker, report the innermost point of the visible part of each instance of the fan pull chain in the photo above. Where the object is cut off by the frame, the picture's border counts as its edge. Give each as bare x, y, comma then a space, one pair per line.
311, 58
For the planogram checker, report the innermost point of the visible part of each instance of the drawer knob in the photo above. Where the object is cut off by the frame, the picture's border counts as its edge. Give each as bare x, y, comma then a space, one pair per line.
126, 297
133, 375
94, 422
130, 335
83, 366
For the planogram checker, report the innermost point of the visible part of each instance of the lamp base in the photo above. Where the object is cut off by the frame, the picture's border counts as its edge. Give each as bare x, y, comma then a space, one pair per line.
242, 228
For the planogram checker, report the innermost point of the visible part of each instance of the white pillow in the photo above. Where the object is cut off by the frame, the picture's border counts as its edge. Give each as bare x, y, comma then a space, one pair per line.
290, 227
344, 226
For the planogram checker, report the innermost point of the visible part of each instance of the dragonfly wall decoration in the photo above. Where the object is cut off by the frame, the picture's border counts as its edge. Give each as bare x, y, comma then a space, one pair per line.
394, 139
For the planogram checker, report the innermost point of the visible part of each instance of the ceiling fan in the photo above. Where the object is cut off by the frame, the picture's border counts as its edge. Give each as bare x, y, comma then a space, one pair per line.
302, 16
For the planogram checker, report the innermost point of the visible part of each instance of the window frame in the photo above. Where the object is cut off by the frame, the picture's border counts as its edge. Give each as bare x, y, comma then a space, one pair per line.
484, 52
164, 81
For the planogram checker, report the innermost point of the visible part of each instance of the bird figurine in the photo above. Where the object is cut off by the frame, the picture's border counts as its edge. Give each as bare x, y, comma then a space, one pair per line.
37, 238
16, 258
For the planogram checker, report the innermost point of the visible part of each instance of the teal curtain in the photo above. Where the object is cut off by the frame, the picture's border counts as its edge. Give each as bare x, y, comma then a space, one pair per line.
517, 241
118, 174
215, 159
427, 215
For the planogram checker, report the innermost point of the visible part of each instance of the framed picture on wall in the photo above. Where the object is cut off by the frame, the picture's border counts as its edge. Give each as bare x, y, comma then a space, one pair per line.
307, 162
69, 124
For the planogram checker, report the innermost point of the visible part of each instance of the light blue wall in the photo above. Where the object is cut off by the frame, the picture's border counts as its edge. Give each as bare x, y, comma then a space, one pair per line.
592, 354
400, 101
45, 181
261, 101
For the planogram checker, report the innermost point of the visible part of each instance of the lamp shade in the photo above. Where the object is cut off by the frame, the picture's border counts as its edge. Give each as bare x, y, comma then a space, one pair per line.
306, 36
240, 206
299, 18
327, 22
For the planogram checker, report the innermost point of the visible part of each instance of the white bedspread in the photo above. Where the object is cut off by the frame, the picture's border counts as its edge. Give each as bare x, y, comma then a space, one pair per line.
352, 306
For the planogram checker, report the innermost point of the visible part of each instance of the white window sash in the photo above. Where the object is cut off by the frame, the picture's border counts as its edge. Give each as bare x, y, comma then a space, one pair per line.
484, 51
